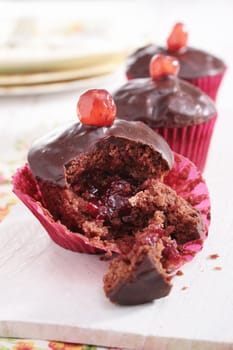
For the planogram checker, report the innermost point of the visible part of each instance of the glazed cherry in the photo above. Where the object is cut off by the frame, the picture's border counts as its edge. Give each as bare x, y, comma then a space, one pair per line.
96, 107
178, 38
161, 66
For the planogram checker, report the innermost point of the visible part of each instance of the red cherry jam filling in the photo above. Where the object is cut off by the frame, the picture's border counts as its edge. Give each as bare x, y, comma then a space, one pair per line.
162, 66
171, 256
96, 107
178, 38
110, 202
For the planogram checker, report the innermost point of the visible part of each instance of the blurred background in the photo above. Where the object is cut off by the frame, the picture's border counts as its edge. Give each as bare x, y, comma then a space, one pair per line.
46, 42
51, 51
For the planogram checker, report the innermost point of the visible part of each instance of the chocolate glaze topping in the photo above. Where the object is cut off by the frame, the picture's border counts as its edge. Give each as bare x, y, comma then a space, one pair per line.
193, 63
170, 102
49, 155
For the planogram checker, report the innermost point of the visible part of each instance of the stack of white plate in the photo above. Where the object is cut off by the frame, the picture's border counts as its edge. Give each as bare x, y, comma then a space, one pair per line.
37, 56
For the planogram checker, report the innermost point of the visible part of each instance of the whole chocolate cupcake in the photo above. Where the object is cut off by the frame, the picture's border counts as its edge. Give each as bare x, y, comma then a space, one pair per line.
106, 185
198, 67
180, 112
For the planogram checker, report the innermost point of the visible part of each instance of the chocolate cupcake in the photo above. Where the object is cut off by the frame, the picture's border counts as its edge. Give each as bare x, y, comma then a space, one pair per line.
106, 185
198, 67
180, 112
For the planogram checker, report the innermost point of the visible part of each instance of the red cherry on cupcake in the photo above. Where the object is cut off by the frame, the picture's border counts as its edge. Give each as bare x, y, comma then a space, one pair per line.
162, 66
178, 38
96, 107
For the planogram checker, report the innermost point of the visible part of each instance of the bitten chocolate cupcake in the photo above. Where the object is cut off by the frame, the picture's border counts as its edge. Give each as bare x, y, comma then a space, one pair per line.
106, 185
179, 111
198, 67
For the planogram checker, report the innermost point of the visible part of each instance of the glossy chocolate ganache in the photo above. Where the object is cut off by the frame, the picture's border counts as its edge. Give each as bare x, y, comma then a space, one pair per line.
193, 63
49, 155
168, 101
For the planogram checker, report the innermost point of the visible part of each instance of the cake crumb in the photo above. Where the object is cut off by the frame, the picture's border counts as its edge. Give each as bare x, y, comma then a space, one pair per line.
184, 288
217, 268
179, 273
213, 256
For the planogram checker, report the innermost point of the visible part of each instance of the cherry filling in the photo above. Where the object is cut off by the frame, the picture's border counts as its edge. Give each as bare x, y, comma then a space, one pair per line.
110, 201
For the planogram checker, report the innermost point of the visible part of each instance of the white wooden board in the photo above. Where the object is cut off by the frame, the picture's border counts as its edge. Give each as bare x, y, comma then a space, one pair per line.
48, 292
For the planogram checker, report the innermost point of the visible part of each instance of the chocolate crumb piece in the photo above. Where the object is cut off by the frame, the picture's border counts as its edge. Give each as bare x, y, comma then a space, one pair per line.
217, 268
184, 288
179, 273
138, 277
213, 256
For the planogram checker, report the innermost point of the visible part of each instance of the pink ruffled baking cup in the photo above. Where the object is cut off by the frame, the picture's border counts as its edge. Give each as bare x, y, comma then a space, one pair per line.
26, 188
184, 178
209, 84
193, 141
188, 183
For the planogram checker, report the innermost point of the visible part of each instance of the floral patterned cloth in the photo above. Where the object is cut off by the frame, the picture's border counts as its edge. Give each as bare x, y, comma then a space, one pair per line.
29, 344
7, 169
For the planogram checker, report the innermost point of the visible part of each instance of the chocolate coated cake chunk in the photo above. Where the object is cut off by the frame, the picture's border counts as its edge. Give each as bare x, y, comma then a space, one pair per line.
138, 277
167, 102
193, 63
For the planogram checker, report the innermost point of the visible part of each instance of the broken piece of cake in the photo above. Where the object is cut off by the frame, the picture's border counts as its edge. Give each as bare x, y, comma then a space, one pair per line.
106, 185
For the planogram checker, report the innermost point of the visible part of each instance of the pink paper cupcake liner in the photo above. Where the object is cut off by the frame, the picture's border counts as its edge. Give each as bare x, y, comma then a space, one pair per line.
190, 141
188, 183
209, 84
26, 188
184, 178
